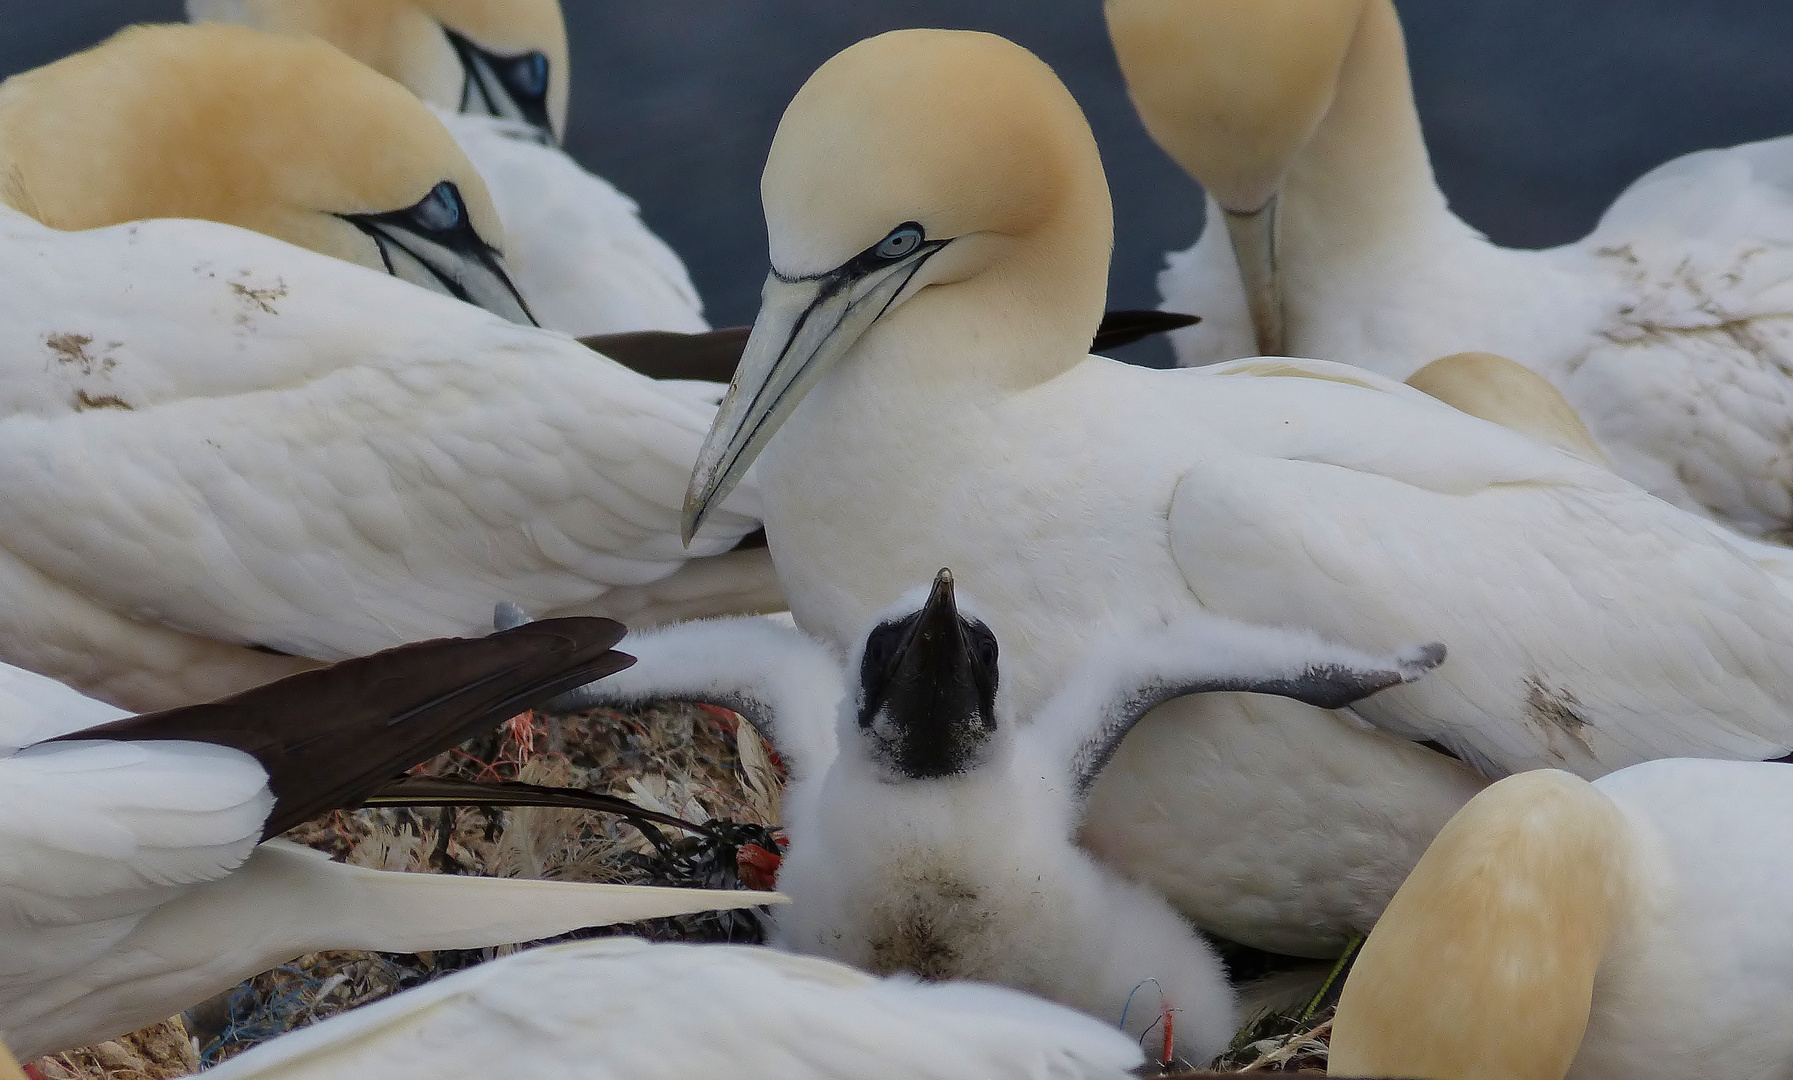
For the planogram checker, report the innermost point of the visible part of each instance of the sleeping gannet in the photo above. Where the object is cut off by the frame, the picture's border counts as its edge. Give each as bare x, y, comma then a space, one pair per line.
932, 833
1666, 327
286, 137
136, 872
1638, 927
497, 74
216, 440
917, 393
621, 1007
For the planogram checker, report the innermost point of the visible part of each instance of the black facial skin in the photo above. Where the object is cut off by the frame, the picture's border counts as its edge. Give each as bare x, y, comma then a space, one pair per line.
439, 218
928, 690
515, 87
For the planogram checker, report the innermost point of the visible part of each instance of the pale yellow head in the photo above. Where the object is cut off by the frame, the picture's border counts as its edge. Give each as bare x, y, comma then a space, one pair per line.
1233, 89
1511, 395
1483, 966
928, 188
284, 136
477, 56
9, 1066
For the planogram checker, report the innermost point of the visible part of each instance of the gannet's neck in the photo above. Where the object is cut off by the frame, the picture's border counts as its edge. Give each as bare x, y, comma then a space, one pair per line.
1483, 965
1365, 178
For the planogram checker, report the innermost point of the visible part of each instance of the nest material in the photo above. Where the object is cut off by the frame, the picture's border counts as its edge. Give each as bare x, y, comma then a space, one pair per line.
695, 762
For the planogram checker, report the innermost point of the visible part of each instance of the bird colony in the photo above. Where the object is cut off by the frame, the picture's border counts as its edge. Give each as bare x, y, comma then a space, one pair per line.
1267, 710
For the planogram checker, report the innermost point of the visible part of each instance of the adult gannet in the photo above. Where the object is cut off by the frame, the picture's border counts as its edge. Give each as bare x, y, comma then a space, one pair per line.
621, 1007
497, 73
1666, 327
134, 879
931, 833
917, 393
286, 137
216, 440
1640, 926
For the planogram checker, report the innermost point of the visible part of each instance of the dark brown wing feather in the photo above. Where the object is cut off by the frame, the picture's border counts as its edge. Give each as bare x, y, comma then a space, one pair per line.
330, 737
667, 354
1125, 327
713, 355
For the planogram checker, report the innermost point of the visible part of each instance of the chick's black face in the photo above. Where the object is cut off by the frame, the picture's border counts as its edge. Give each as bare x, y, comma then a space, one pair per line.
928, 690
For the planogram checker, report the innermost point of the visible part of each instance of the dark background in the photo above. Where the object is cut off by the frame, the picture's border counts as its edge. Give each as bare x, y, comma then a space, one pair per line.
1538, 112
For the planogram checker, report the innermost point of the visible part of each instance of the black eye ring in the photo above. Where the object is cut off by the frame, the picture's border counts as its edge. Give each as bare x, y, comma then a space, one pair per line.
902, 241
441, 210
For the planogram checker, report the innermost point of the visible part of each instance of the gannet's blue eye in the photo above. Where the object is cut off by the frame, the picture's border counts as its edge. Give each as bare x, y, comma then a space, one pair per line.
903, 240
441, 210
528, 74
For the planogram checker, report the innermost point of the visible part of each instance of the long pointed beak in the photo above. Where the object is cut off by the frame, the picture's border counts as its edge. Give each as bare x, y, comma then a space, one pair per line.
476, 274
1254, 249
805, 325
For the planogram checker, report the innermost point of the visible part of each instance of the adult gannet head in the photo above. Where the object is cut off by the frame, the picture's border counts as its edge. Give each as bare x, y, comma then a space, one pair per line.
284, 136
1484, 963
1234, 90
926, 188
1510, 394
504, 58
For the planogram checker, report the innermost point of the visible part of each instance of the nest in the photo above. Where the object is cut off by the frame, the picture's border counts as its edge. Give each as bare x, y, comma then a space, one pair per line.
695, 762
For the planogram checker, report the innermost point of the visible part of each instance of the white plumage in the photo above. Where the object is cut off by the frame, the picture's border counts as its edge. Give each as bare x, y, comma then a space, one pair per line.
622, 1009
134, 881
216, 433
973, 873
934, 406
1636, 928
1667, 327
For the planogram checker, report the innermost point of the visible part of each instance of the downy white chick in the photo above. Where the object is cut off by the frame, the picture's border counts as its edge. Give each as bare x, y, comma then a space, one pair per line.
932, 832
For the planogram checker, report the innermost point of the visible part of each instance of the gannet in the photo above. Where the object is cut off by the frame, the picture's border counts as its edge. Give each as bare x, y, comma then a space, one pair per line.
621, 1007
216, 440
1665, 327
1640, 926
136, 873
286, 137
917, 394
497, 75
932, 833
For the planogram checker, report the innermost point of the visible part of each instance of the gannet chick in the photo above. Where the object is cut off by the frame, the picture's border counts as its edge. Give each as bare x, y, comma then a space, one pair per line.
133, 865
286, 137
621, 1007
939, 231
933, 832
1637, 927
1663, 327
497, 75
940, 840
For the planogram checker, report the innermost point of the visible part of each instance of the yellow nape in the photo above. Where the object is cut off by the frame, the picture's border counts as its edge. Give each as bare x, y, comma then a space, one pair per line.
9, 1065
1233, 89
226, 124
404, 39
1511, 395
1483, 966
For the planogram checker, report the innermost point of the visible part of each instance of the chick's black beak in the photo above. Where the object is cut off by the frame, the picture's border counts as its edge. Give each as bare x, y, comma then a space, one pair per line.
928, 704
